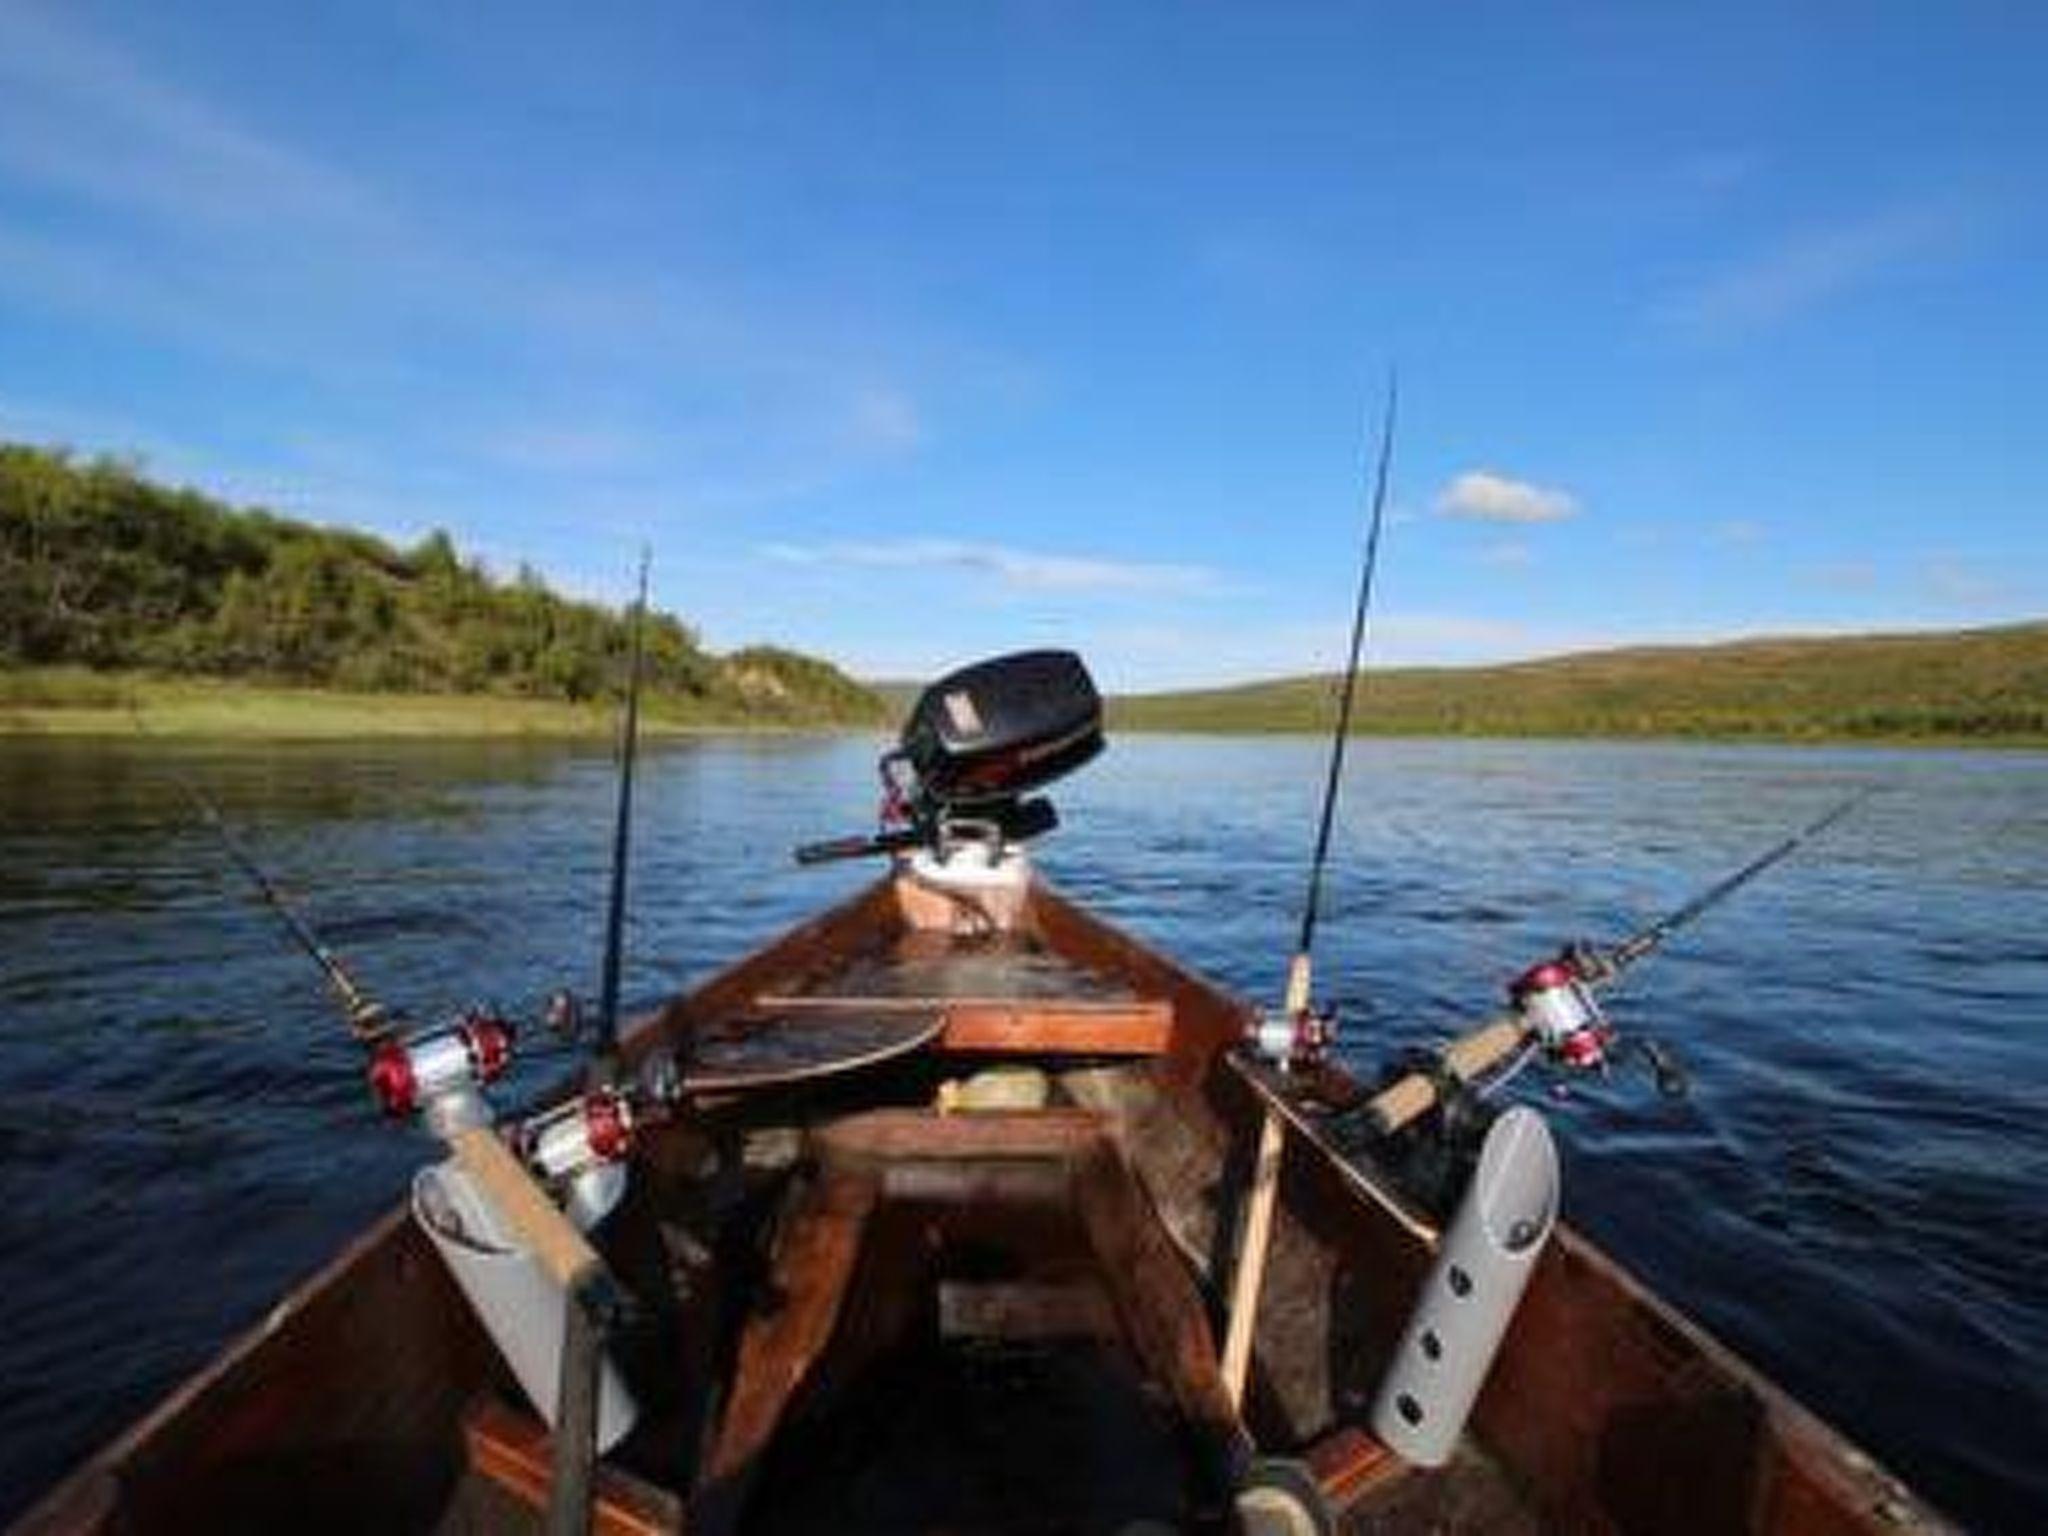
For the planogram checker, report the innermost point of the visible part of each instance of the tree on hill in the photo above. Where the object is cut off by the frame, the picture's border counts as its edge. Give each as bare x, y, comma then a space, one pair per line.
102, 567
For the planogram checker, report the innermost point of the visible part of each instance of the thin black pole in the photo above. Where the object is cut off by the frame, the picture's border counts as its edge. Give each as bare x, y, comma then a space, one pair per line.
366, 1016
1640, 944
605, 1046
1365, 579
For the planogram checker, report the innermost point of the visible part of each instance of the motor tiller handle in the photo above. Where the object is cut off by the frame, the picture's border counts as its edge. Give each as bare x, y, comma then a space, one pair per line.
1468, 1057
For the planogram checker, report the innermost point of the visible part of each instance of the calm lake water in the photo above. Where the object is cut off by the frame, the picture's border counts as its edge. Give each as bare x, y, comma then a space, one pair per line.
1855, 1196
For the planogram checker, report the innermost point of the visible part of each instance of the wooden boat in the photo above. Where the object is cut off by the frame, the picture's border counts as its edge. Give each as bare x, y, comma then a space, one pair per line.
940, 1238
886, 1315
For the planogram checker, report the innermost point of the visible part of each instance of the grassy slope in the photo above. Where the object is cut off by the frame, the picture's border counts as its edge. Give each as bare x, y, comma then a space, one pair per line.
73, 701
1972, 685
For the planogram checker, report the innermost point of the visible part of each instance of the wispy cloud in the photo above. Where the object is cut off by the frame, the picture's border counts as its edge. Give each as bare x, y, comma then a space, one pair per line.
1736, 532
881, 418
1480, 495
1813, 266
1846, 575
195, 221
1717, 171
1028, 570
1953, 584
1160, 656
1508, 554
84, 119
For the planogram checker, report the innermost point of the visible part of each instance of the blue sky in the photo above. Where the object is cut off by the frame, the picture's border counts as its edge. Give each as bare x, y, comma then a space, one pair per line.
908, 333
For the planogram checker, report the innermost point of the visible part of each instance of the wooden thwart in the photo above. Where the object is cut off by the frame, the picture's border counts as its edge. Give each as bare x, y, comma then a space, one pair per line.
514, 1450
1017, 1026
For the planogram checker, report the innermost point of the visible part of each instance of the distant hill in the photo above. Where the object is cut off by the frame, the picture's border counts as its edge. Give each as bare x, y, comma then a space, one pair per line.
104, 569
1977, 685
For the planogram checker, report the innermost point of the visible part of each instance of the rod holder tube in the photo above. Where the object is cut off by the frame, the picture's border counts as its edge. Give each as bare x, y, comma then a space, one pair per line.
520, 1303
1471, 1292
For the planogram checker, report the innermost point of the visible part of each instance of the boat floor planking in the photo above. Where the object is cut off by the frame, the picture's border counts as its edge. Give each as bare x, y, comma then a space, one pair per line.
869, 1315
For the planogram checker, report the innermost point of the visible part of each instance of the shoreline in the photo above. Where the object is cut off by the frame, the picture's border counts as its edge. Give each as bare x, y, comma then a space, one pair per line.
76, 705
284, 715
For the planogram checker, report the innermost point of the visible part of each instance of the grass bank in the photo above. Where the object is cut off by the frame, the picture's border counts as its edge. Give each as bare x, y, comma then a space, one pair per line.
1986, 687
77, 701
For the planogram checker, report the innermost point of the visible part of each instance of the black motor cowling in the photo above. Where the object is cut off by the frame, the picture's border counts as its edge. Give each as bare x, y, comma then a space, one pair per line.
977, 742
1000, 729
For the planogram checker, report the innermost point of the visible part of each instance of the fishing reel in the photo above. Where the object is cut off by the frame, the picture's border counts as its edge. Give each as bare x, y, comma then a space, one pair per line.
438, 1075
1293, 1042
1556, 1000
582, 1145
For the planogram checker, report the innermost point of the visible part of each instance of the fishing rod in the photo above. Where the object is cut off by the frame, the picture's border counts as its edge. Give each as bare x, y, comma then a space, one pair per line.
1620, 956
368, 1019
1298, 1035
604, 1052
581, 1144
438, 1074
1554, 1007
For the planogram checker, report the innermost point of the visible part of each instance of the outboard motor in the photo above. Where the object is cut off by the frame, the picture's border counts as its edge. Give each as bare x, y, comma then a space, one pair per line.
977, 744
957, 789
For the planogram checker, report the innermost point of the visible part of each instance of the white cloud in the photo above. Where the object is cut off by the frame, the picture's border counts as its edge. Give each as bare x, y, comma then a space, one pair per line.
1025, 569
1483, 496
1810, 267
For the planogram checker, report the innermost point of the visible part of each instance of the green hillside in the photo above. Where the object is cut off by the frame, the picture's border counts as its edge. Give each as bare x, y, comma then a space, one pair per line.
1971, 685
106, 576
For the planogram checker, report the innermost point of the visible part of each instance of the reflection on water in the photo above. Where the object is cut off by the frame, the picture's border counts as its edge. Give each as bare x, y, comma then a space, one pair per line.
1852, 1197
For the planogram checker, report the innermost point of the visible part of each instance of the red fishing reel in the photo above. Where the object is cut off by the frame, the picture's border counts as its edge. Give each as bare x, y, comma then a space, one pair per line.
1556, 1000
408, 1075
1293, 1042
589, 1131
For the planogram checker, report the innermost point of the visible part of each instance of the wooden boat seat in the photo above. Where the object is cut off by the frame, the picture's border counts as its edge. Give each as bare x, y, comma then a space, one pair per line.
1001, 994
1037, 1210
510, 1451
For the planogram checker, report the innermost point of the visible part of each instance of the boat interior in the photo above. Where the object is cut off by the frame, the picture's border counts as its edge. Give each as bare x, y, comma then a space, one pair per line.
940, 1242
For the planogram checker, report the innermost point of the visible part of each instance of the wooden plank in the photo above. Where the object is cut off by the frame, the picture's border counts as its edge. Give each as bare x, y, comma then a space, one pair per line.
1158, 1303
1349, 1465
895, 1134
1015, 1026
785, 1338
1059, 1029
514, 1450
1024, 1309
